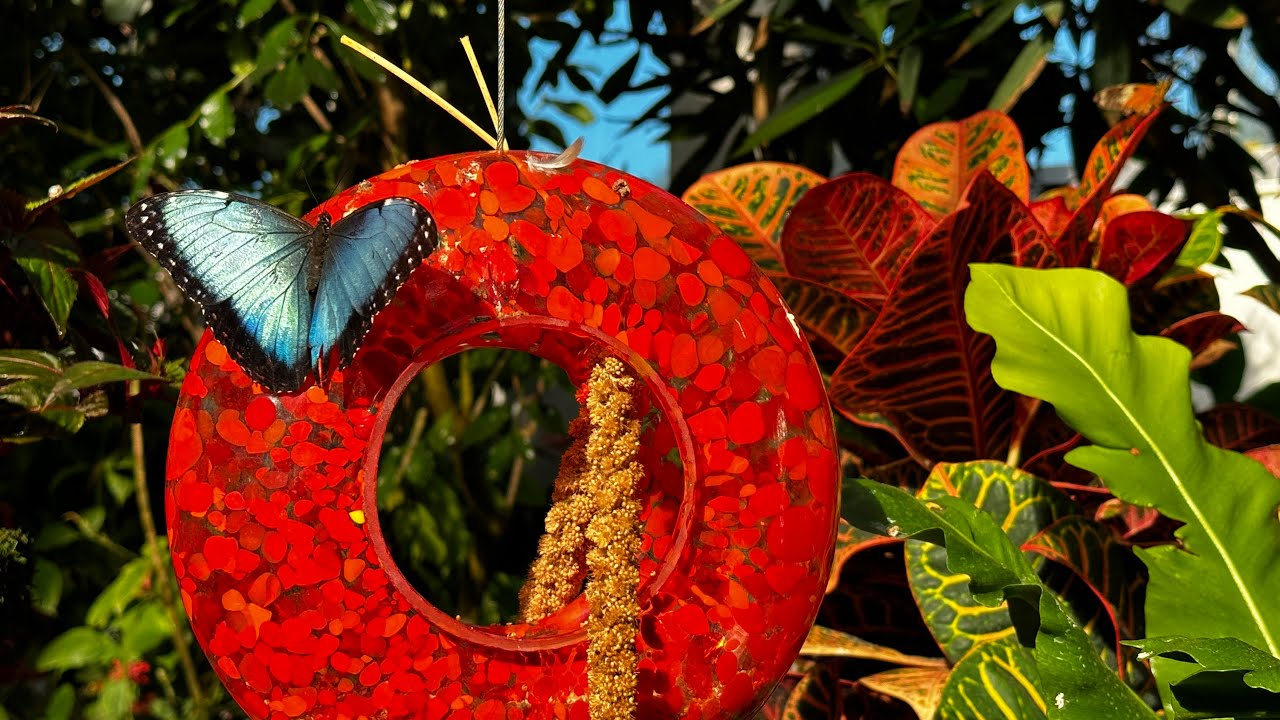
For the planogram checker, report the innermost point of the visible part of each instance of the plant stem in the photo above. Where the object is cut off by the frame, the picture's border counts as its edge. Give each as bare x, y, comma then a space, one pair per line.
161, 569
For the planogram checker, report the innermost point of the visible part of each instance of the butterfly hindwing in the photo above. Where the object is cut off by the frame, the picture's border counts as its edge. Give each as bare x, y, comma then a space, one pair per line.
370, 254
246, 263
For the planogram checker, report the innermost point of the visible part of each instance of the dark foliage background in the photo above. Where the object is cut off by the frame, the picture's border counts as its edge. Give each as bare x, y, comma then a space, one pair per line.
256, 96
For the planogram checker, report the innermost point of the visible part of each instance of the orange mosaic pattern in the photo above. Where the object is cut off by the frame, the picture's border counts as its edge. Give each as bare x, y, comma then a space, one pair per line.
271, 500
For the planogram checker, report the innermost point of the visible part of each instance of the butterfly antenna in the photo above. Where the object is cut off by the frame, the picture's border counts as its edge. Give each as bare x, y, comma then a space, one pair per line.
426, 91
307, 181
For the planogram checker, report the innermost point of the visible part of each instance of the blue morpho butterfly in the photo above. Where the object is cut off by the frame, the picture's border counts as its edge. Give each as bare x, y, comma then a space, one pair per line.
279, 293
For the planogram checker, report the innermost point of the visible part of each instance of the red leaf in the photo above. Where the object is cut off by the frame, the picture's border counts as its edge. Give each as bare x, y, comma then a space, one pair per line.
920, 365
1052, 212
1239, 427
750, 202
1269, 457
853, 233
1137, 244
98, 292
1197, 332
103, 302
825, 314
1100, 170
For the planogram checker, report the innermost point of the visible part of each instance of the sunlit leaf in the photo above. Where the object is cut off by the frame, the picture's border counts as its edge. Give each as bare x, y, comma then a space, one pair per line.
1063, 336
1220, 676
1021, 504
827, 643
750, 202
1074, 679
75, 188
995, 680
217, 119
1205, 241
921, 688
937, 164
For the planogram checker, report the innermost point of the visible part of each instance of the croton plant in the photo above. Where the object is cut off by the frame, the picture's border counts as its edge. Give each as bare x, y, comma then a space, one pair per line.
972, 362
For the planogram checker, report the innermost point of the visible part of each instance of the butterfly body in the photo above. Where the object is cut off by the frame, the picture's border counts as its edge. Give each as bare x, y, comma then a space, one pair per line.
279, 293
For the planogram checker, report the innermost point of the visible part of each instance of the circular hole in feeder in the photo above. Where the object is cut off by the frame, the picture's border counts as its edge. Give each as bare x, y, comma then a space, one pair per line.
462, 496
445, 533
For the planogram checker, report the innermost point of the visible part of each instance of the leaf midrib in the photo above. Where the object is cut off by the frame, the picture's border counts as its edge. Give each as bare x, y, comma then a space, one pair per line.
1236, 576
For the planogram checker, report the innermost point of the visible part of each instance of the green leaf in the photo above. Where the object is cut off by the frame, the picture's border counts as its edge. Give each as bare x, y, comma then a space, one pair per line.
61, 703
716, 15
804, 106
217, 119
1079, 685
1063, 336
376, 16
1205, 241
318, 74
94, 372
909, 66
28, 365
1026, 67
171, 148
575, 110
143, 628
287, 86
276, 45
1220, 15
45, 256
115, 702
992, 20
126, 586
46, 587
77, 647
997, 679
1268, 295
1022, 504
1222, 676
251, 10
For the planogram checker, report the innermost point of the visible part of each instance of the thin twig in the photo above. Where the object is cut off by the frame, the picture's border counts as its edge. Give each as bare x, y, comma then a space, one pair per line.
317, 115
162, 571
97, 537
410, 445
117, 107
421, 88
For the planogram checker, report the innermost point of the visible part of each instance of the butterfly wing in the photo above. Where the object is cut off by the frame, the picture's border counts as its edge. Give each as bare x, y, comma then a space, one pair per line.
245, 262
370, 253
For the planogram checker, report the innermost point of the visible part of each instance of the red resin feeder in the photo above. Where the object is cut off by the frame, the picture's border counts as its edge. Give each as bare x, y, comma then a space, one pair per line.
271, 499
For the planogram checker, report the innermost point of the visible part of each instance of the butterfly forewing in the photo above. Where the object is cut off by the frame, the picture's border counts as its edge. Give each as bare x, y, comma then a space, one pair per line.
371, 252
245, 262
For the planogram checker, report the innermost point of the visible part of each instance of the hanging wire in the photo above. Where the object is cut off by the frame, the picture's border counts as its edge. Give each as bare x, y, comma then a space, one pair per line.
502, 74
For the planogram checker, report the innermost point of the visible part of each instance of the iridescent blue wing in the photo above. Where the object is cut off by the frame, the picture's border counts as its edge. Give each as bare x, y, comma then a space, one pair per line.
245, 262
370, 253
